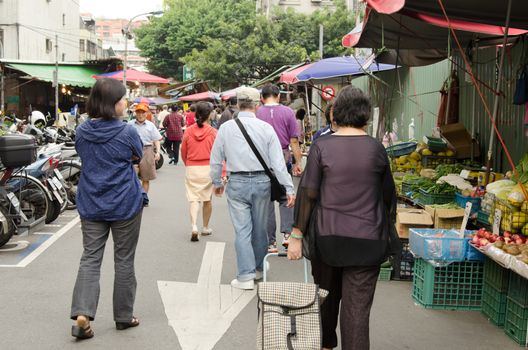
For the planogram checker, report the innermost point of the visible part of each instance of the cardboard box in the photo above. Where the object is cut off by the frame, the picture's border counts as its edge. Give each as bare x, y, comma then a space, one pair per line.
446, 218
408, 218
460, 140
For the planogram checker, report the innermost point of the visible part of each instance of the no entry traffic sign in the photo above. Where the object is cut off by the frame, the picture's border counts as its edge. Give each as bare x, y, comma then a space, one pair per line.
328, 93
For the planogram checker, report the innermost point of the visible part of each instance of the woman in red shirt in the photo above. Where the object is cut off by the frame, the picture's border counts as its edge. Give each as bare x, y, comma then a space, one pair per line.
196, 148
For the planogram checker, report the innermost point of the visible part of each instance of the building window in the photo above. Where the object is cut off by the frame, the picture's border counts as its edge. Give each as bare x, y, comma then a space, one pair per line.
49, 45
63, 19
81, 45
106, 27
63, 57
106, 34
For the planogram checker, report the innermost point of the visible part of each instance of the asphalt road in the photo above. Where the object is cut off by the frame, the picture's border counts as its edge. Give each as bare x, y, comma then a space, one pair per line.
35, 300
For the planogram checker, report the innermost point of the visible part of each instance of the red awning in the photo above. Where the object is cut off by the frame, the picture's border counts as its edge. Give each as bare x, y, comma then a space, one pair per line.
421, 24
202, 96
133, 75
290, 76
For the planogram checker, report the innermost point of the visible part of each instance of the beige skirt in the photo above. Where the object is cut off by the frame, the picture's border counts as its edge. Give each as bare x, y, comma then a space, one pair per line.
198, 183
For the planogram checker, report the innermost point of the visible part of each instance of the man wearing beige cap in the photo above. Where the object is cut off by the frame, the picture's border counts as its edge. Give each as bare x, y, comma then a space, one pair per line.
249, 189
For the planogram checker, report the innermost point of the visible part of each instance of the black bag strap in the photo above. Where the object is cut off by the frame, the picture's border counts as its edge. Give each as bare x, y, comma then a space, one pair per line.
254, 149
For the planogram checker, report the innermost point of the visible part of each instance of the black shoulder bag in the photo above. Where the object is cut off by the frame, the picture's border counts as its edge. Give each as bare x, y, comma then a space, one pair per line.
278, 191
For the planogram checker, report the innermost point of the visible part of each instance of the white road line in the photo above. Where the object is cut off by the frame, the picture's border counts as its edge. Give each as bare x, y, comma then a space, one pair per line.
53, 225
28, 259
41, 233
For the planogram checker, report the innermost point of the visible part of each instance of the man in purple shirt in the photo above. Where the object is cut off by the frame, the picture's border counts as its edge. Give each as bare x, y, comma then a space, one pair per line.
283, 120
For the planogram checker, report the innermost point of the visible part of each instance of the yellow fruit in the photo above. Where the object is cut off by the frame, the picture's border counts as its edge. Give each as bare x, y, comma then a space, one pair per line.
450, 153
415, 155
525, 230
524, 207
403, 159
519, 220
441, 154
427, 152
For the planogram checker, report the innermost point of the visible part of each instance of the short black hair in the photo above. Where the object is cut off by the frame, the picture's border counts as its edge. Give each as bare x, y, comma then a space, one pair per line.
351, 107
105, 94
233, 101
174, 108
300, 114
193, 108
270, 90
203, 111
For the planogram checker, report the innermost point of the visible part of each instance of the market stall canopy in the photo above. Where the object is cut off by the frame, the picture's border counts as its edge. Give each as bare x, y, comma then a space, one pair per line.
339, 67
421, 24
134, 75
290, 76
202, 96
75, 75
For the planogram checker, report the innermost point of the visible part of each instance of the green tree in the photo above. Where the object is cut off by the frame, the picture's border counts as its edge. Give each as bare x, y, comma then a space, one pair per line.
188, 25
227, 42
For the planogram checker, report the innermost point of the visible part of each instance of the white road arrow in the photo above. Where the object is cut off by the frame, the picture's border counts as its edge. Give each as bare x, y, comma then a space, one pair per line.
202, 312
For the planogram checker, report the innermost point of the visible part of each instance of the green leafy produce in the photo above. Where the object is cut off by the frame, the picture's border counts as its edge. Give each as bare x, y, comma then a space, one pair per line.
522, 170
446, 169
451, 205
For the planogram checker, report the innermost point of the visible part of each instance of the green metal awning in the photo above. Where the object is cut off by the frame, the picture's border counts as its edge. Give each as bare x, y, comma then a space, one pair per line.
271, 77
76, 75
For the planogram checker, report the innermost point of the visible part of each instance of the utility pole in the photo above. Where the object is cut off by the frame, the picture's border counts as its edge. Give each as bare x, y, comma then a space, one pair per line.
2, 83
56, 77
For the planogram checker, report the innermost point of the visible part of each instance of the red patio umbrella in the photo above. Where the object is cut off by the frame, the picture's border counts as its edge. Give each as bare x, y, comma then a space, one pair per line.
290, 76
133, 75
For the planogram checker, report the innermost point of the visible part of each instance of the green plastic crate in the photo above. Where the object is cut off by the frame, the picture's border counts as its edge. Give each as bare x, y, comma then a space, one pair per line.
457, 286
430, 198
496, 275
516, 322
483, 218
518, 289
385, 274
494, 304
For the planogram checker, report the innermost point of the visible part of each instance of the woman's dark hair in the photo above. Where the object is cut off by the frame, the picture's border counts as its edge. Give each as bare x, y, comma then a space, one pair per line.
193, 108
351, 108
174, 109
103, 98
300, 114
328, 110
203, 110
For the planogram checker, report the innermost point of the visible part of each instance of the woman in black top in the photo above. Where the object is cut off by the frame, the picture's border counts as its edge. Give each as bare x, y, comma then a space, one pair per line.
343, 205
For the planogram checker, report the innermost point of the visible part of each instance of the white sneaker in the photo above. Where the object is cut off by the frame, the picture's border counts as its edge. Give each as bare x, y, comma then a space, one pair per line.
259, 274
286, 240
246, 285
206, 231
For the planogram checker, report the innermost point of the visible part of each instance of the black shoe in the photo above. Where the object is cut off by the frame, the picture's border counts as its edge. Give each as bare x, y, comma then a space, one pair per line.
124, 325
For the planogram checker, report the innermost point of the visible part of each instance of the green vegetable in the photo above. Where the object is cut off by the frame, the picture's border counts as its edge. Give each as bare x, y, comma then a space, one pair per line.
446, 169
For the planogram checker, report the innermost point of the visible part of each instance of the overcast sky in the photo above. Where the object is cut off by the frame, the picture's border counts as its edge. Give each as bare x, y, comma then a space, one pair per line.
119, 8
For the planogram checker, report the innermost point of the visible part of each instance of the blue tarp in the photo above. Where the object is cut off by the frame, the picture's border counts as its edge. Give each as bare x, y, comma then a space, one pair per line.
339, 67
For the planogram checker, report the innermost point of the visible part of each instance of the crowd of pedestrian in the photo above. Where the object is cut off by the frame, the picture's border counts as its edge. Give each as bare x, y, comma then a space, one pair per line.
340, 219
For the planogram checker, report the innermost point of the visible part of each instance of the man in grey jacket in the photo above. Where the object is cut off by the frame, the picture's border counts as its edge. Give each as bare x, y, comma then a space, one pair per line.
249, 189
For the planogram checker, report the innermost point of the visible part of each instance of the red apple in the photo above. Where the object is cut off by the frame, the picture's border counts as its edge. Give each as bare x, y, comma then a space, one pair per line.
507, 234
475, 240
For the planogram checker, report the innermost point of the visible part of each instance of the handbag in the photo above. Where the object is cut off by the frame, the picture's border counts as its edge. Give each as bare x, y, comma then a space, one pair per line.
521, 88
278, 191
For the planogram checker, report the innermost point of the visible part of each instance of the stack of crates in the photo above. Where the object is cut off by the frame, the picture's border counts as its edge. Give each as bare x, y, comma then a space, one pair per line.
495, 292
457, 286
403, 265
516, 323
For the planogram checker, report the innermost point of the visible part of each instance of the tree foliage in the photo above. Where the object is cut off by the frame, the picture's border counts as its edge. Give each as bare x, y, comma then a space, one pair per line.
228, 42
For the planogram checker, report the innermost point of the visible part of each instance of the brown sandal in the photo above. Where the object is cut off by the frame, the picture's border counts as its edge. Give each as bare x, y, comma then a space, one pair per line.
124, 325
194, 236
82, 329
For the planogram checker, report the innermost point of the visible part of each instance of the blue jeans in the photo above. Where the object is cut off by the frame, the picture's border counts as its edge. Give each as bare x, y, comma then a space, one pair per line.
248, 197
286, 220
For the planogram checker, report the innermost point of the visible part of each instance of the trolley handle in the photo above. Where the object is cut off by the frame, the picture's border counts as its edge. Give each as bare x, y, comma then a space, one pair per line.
281, 255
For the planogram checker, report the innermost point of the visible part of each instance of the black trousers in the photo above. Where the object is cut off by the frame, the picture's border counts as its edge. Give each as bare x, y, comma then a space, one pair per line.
173, 148
351, 289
